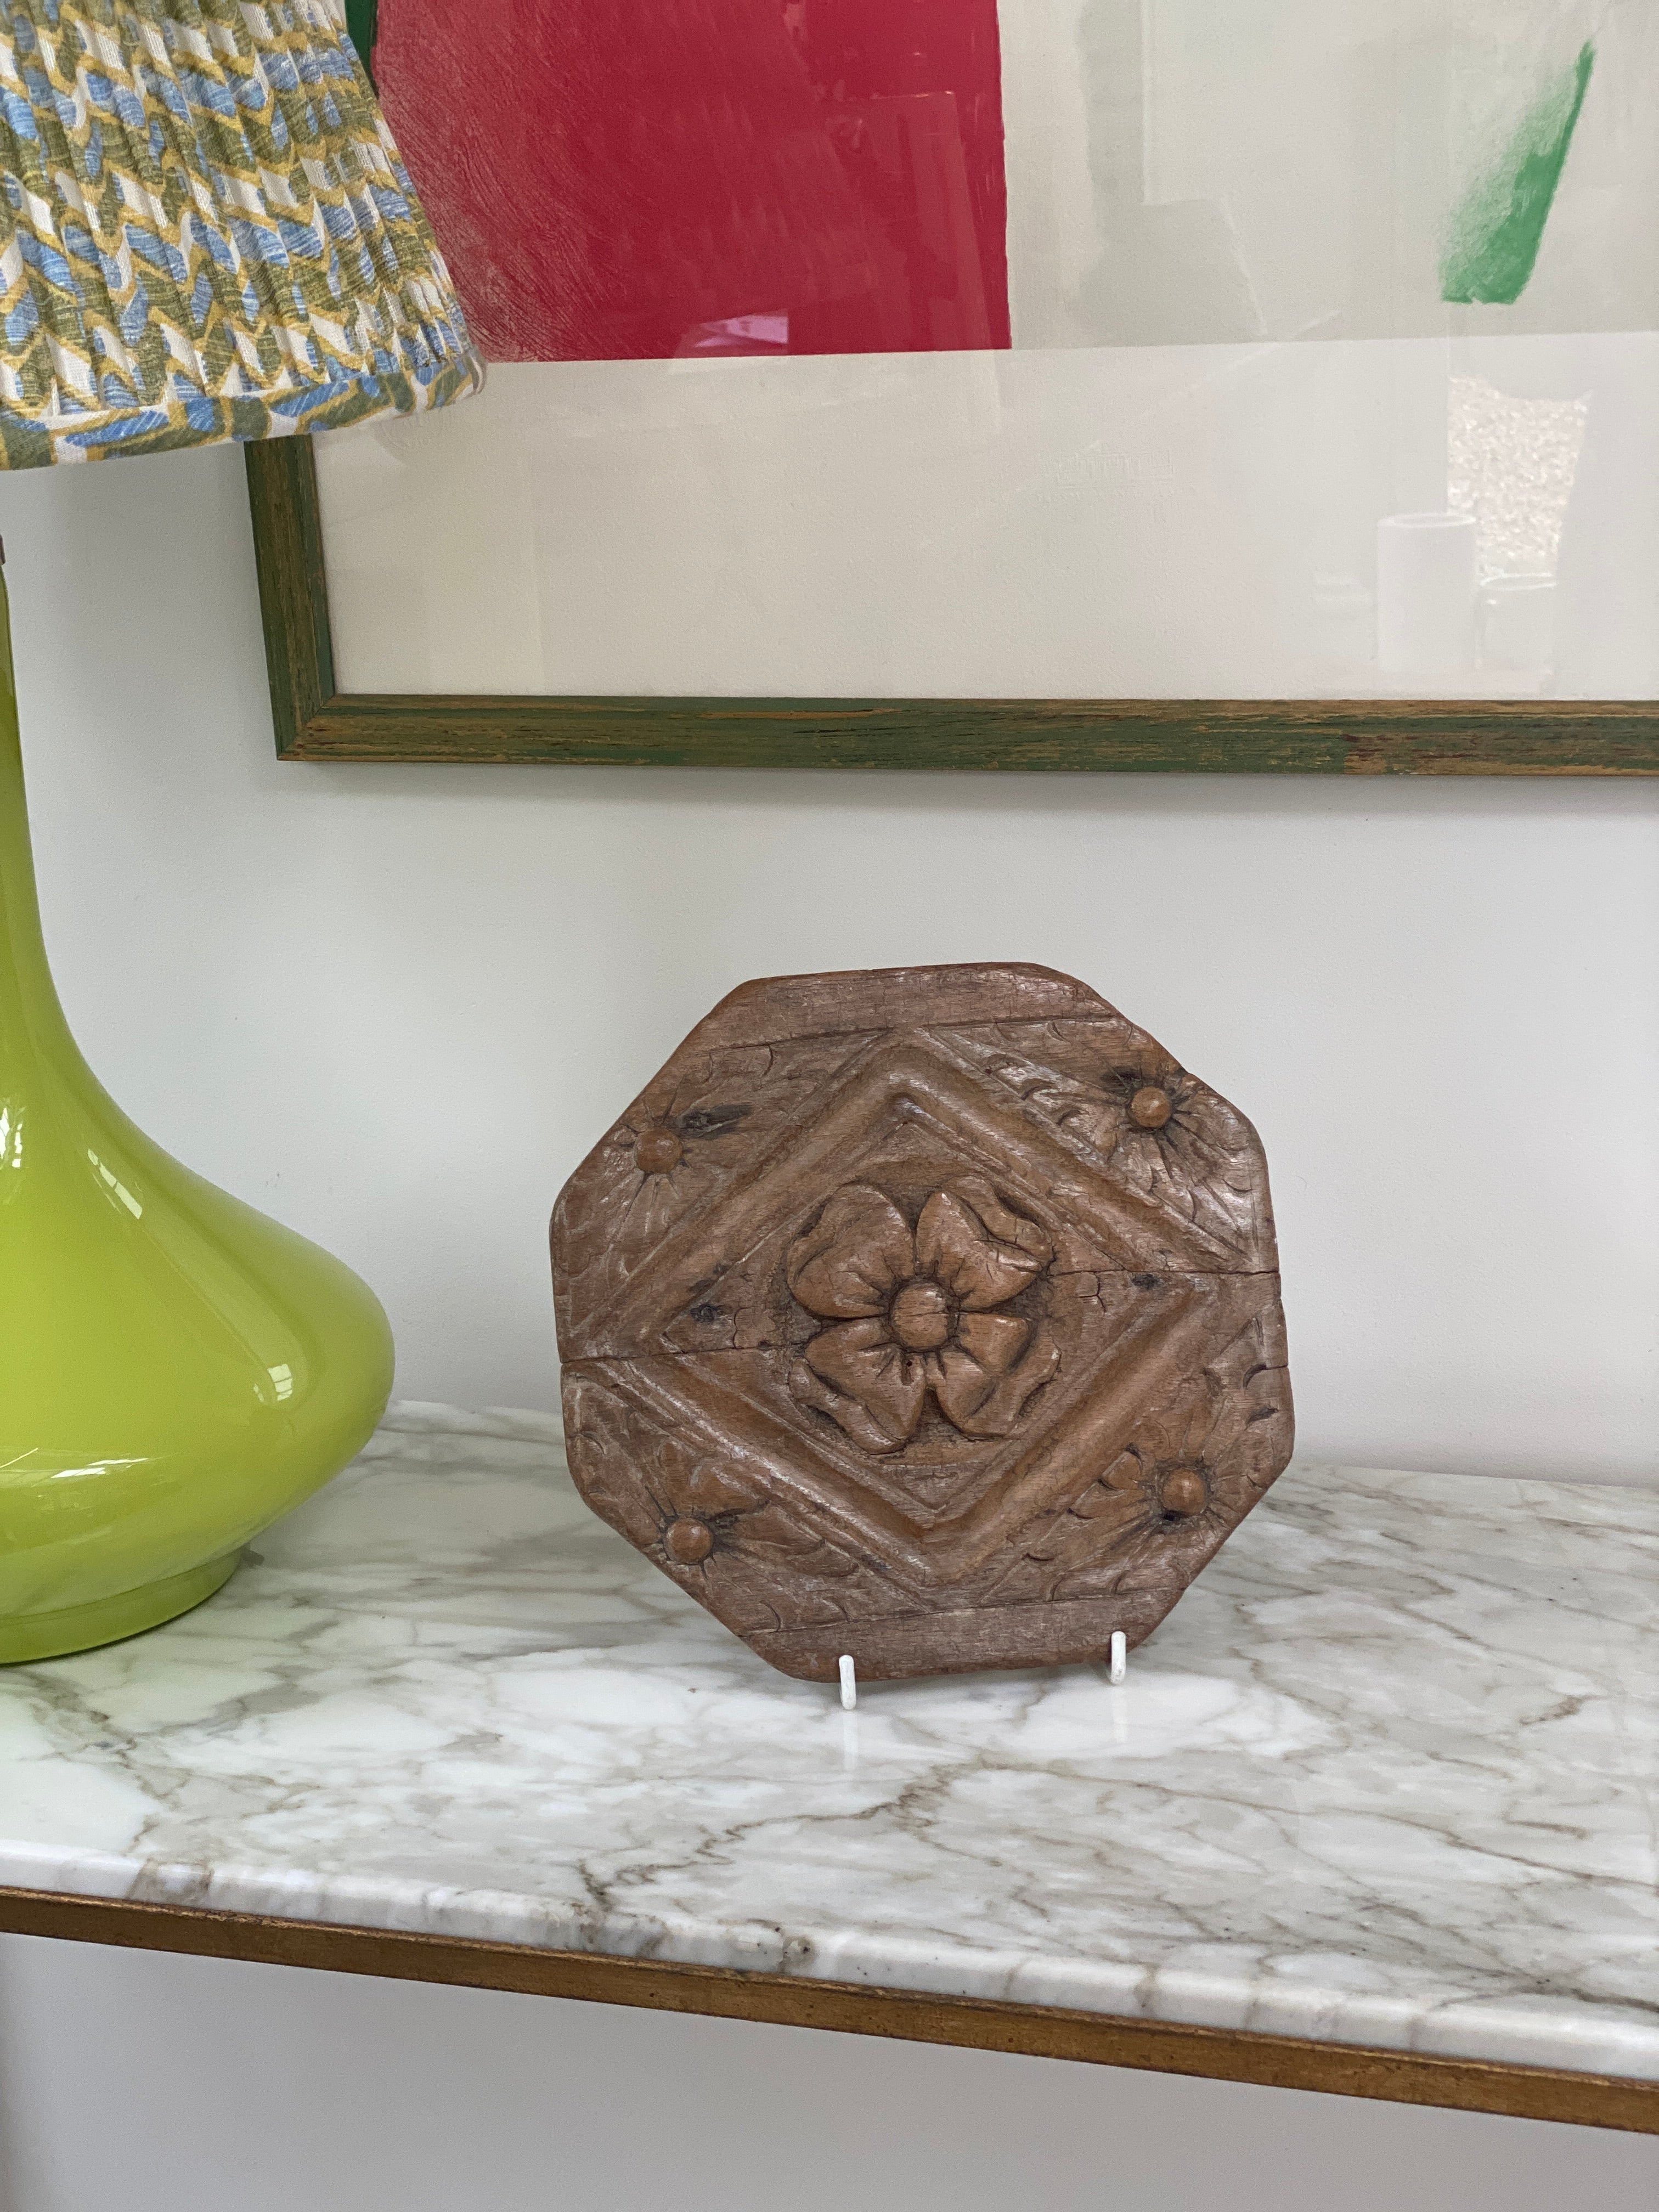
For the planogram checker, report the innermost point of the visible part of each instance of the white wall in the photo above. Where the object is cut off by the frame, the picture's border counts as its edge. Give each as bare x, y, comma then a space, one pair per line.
395, 1006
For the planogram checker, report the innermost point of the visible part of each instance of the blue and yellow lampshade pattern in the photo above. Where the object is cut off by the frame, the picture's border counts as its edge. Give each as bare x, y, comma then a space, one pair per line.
207, 233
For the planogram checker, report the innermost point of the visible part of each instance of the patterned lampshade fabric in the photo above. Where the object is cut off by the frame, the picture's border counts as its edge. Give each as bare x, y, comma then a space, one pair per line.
207, 233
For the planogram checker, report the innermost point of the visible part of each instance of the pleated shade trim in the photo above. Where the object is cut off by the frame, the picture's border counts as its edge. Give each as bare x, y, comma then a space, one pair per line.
207, 233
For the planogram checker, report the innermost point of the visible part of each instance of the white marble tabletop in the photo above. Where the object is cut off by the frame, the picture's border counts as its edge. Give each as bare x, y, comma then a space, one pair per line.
1386, 1775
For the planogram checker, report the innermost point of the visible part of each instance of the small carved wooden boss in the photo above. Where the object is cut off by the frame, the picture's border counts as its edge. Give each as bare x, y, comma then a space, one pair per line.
929, 1314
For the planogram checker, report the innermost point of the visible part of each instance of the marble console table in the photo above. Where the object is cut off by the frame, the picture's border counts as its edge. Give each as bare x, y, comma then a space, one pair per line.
1375, 1810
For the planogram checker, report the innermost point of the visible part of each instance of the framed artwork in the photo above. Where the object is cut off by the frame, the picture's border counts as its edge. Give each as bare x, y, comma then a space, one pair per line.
1007, 383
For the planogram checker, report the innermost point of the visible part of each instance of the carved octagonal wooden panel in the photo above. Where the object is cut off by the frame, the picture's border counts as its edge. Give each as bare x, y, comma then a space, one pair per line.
929, 1314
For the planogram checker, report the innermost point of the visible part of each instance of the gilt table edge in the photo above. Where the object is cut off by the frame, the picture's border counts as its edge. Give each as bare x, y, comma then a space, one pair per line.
1284, 2062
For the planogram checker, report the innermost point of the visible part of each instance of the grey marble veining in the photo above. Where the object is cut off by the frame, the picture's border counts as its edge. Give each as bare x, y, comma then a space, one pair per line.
1386, 1775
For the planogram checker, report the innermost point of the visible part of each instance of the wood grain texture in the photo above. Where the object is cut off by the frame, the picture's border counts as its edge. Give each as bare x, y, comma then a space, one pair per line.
288, 555
966, 2023
926, 1315
1295, 737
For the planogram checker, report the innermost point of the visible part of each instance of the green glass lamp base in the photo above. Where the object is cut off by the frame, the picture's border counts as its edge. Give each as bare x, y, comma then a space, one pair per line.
108, 1619
176, 1371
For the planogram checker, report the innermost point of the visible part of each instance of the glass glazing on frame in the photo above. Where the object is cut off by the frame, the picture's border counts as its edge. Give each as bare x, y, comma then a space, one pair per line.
1051, 349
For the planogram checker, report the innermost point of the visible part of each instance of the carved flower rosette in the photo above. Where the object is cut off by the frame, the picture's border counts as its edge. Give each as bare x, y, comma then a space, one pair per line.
914, 1313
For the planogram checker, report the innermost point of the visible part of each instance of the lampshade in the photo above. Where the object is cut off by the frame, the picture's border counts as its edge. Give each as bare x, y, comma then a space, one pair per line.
208, 233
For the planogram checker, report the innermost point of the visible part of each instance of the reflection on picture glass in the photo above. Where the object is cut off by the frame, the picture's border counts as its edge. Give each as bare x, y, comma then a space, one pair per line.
1013, 348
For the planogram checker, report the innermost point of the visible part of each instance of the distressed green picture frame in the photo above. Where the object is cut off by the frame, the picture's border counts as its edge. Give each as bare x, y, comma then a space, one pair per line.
314, 721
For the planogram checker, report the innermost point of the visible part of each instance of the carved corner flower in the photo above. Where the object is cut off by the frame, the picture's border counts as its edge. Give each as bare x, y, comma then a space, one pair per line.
1178, 1462
915, 1311
698, 1501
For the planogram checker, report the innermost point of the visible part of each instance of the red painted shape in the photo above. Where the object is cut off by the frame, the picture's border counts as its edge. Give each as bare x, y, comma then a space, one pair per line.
636, 178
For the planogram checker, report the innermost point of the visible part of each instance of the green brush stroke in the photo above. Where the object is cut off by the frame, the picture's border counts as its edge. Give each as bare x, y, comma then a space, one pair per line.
1496, 232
